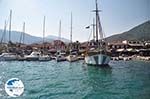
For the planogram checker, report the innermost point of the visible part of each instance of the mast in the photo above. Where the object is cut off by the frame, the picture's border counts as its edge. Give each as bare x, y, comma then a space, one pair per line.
44, 29
98, 25
71, 29
96, 21
93, 29
4, 33
60, 30
71, 33
59, 36
10, 26
23, 32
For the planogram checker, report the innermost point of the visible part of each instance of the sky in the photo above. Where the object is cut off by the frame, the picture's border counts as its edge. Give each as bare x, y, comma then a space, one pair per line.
116, 17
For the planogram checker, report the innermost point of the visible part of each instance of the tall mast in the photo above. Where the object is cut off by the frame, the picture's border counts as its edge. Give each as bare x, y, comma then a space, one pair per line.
23, 32
96, 21
10, 25
4, 33
44, 30
60, 30
93, 29
71, 29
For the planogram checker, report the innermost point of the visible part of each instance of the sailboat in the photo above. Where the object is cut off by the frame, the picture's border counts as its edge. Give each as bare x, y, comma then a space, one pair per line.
8, 56
60, 55
21, 42
98, 56
22, 37
43, 57
73, 54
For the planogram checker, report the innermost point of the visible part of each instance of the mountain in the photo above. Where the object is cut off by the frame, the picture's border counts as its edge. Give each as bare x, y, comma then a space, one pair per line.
140, 32
55, 38
15, 37
29, 39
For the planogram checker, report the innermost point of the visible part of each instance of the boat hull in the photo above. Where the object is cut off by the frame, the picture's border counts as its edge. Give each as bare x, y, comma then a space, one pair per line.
32, 58
8, 58
60, 59
44, 58
72, 58
97, 60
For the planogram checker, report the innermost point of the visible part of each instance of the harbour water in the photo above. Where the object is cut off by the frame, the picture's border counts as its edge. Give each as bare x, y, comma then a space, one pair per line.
64, 80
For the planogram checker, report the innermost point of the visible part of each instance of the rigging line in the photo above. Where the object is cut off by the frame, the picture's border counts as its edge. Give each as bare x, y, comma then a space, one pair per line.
90, 35
100, 28
20, 37
4, 32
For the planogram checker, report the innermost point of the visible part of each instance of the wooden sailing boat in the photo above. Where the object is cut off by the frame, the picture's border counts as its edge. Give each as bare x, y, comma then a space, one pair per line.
73, 54
98, 56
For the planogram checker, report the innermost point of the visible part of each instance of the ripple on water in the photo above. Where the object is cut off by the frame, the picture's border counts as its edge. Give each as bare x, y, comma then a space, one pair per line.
64, 80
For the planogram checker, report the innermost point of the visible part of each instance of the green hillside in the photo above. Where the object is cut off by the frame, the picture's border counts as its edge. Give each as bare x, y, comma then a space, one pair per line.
140, 32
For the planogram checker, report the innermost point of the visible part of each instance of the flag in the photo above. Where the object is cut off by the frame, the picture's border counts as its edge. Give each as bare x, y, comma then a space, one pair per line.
87, 27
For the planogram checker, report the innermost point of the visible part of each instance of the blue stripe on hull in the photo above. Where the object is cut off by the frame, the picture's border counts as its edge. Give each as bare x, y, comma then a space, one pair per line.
99, 59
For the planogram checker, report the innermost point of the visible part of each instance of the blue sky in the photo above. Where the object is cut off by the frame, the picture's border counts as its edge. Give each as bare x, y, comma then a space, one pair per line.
117, 15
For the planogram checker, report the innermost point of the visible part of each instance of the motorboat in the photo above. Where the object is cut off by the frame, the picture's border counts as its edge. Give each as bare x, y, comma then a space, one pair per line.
8, 57
34, 56
72, 57
44, 58
60, 56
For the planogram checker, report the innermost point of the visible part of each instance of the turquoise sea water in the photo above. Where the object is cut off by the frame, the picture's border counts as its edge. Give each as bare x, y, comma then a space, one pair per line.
64, 80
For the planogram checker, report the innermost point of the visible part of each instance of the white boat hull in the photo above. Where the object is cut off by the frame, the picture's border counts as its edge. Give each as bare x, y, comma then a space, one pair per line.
60, 59
44, 58
32, 58
72, 58
8, 58
99, 59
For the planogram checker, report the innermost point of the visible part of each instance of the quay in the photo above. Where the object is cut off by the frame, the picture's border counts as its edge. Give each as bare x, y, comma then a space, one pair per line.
125, 50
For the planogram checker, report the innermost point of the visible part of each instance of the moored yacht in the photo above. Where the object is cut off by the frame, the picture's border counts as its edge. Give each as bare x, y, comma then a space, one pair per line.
34, 56
72, 57
8, 57
44, 58
73, 54
60, 56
